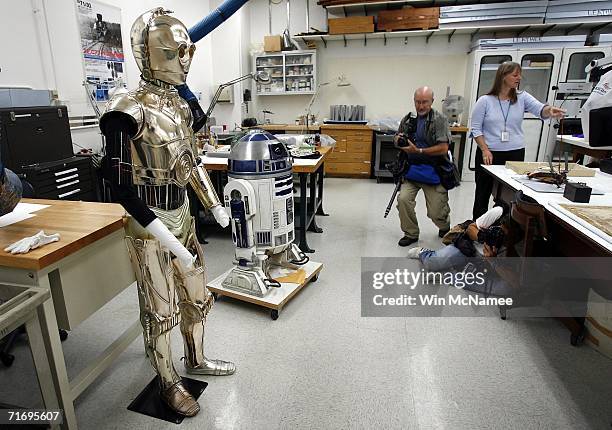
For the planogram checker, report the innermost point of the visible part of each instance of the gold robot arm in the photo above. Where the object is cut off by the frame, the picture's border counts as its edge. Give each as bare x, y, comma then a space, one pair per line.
202, 186
124, 104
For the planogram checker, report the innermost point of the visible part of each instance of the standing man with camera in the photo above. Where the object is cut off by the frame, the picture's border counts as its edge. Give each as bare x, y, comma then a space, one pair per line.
424, 140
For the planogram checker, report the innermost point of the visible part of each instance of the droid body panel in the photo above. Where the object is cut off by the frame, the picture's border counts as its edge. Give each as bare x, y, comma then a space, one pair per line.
259, 198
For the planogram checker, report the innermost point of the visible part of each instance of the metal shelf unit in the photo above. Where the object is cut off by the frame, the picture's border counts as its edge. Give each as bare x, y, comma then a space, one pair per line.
298, 73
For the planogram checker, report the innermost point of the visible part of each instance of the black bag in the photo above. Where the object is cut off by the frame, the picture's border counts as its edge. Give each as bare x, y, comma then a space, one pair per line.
464, 244
449, 174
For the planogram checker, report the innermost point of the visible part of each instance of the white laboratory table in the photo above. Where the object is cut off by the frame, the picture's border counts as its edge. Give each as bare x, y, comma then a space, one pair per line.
580, 147
571, 237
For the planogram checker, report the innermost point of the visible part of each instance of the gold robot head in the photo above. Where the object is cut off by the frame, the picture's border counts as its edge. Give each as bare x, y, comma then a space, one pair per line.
162, 47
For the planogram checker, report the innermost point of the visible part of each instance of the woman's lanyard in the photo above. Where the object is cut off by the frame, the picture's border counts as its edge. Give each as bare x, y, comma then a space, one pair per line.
505, 135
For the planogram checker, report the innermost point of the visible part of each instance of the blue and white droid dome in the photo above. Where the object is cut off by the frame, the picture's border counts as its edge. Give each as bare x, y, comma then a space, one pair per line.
258, 155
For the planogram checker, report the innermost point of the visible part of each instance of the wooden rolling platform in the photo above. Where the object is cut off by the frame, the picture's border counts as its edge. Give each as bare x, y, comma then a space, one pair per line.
276, 297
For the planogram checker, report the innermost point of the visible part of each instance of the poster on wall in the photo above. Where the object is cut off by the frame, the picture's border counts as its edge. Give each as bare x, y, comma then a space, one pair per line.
101, 47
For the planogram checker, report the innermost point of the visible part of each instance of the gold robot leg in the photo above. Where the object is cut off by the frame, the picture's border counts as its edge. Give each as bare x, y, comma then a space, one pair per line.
158, 314
195, 303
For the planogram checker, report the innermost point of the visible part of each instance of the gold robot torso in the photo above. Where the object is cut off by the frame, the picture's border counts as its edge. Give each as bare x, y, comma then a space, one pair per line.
162, 150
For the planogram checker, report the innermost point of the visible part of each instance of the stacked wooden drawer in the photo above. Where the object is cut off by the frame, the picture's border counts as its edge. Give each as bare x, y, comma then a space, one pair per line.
351, 24
408, 18
352, 155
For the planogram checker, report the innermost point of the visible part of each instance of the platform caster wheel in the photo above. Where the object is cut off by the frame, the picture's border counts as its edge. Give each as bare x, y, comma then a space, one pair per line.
502, 312
274, 314
216, 296
378, 181
7, 360
315, 278
63, 334
578, 339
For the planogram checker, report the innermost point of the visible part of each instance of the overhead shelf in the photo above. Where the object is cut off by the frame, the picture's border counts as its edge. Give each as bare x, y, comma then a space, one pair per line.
366, 7
517, 30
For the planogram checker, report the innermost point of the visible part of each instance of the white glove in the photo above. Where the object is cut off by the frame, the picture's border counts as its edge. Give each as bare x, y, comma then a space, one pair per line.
220, 215
169, 241
28, 243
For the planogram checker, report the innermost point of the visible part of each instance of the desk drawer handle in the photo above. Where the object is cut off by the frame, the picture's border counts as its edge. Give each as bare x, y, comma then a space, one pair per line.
67, 178
69, 193
65, 172
67, 184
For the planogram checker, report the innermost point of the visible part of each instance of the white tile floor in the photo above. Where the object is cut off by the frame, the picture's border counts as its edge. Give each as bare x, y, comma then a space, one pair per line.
321, 365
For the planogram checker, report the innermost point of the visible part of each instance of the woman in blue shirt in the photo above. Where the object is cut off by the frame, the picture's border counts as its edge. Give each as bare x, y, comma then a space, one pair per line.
497, 127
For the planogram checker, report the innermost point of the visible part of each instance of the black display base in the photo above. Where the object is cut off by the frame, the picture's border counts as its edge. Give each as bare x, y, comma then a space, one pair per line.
149, 403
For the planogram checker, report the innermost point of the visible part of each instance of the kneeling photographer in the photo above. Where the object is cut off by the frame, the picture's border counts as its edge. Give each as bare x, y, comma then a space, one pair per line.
424, 139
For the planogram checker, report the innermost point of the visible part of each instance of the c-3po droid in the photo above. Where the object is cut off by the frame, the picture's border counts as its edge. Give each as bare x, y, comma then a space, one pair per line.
259, 200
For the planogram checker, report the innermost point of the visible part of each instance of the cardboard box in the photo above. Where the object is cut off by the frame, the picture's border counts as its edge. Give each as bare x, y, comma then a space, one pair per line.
351, 25
408, 18
272, 43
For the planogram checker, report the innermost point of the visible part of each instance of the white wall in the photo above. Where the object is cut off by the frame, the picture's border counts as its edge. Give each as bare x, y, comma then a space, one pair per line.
382, 77
20, 64
226, 57
46, 51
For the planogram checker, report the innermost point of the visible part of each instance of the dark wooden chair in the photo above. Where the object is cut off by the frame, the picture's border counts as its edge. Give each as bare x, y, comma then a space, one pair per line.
531, 217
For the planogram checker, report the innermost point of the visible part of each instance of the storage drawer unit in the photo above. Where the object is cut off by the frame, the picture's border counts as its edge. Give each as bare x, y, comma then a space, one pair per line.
352, 155
33, 135
68, 179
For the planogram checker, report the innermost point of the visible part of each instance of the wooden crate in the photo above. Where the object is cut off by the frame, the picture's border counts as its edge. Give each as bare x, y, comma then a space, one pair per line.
408, 18
352, 24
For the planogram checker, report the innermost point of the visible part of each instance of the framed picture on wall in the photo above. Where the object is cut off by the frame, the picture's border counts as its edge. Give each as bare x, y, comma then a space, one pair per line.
101, 47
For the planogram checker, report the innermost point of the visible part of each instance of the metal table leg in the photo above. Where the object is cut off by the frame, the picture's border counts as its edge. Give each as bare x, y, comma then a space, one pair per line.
313, 204
39, 357
55, 356
303, 245
320, 173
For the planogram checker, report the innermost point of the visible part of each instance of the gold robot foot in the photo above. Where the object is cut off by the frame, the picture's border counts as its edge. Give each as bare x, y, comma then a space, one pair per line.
212, 367
179, 400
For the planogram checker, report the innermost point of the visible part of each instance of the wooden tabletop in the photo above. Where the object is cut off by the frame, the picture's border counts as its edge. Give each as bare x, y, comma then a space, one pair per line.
345, 127
299, 165
288, 127
311, 166
316, 128
78, 223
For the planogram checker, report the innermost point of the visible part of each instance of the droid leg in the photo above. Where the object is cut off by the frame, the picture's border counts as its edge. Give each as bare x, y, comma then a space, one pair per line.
295, 255
195, 303
158, 314
290, 258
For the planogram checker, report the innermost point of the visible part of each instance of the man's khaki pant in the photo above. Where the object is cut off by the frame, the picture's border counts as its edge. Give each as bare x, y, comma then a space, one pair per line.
436, 199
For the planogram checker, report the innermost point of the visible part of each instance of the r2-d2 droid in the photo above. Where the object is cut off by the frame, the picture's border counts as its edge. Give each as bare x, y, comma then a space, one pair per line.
259, 200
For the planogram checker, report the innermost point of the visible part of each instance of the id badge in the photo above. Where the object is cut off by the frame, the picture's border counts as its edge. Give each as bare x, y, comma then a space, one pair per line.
505, 136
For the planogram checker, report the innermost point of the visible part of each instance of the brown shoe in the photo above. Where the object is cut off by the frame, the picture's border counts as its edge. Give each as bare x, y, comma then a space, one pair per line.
179, 400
